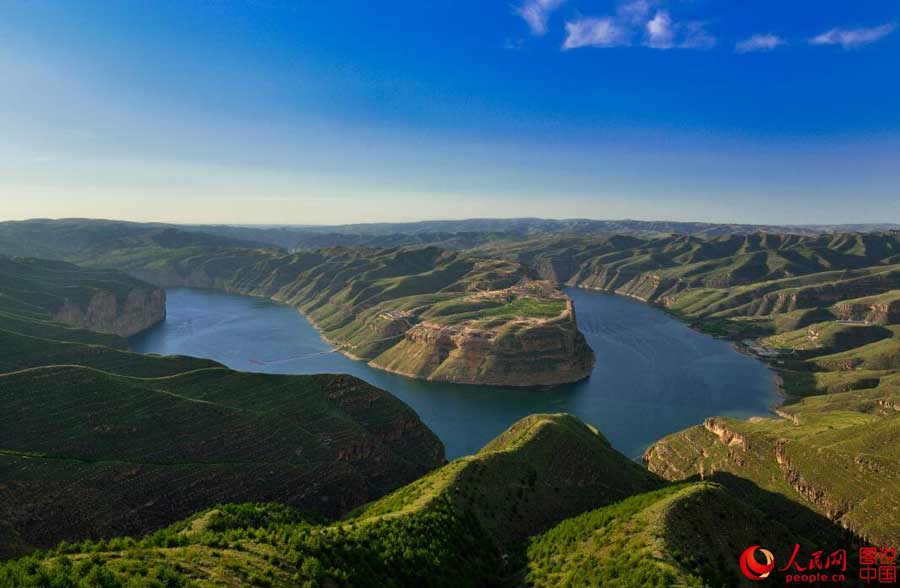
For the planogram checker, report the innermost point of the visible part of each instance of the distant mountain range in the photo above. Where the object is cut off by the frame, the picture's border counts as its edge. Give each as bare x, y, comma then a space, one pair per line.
463, 234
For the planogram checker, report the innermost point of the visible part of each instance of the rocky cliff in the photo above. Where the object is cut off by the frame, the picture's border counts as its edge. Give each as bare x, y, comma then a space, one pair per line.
845, 469
105, 301
546, 351
880, 310
107, 313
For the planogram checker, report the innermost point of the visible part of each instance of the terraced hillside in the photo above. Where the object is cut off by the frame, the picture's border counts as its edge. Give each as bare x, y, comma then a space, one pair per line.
421, 312
97, 441
495, 518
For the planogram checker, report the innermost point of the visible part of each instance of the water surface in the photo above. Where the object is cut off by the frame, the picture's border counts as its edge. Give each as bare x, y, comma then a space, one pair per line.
653, 376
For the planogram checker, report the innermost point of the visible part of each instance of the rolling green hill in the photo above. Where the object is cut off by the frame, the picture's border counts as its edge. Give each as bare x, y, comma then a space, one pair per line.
497, 518
450, 528
682, 535
84, 453
96, 441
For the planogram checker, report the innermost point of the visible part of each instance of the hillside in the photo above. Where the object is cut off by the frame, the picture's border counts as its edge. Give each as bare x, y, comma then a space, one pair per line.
421, 312
514, 514
451, 528
836, 453
724, 276
76, 235
96, 441
105, 301
683, 535
90, 454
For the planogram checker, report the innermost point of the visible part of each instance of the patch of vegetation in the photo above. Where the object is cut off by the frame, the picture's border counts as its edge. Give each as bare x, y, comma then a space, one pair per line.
526, 307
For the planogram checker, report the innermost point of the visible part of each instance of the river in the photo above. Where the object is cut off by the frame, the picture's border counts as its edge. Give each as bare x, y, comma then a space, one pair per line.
653, 376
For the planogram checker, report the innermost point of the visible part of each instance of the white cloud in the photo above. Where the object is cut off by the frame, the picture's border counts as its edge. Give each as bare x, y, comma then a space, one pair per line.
537, 12
595, 32
633, 19
663, 33
850, 38
756, 43
660, 34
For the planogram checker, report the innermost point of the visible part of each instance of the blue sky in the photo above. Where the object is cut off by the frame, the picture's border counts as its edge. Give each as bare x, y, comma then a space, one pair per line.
328, 112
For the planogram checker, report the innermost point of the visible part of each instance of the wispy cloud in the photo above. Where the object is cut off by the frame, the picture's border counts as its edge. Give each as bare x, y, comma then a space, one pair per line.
596, 32
537, 12
857, 37
633, 19
757, 43
664, 33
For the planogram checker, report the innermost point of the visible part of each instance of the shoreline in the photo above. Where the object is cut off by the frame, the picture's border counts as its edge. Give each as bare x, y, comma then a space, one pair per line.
340, 348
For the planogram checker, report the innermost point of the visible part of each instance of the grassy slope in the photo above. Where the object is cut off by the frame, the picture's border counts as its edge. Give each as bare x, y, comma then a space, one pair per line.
837, 453
98, 441
85, 452
682, 535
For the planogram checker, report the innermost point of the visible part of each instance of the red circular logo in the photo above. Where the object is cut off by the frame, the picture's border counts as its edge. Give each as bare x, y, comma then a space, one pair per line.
752, 568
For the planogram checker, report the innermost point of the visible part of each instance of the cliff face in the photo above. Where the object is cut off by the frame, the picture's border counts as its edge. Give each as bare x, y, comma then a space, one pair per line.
879, 310
523, 352
99, 300
106, 313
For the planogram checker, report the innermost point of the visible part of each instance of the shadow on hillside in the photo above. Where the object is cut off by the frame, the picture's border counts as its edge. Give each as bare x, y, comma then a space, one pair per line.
821, 531
796, 384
